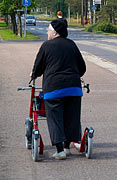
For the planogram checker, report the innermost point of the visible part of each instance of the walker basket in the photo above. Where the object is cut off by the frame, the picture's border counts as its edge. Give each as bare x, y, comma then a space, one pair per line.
40, 105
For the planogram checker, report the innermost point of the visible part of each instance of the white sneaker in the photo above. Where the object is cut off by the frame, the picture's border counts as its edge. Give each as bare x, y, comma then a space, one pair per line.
59, 156
77, 146
67, 151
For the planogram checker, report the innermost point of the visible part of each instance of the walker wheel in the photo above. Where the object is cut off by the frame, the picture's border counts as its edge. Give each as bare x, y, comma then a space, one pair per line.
28, 133
35, 148
88, 146
27, 143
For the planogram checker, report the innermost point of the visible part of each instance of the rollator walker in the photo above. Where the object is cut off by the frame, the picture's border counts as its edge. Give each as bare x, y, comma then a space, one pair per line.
33, 138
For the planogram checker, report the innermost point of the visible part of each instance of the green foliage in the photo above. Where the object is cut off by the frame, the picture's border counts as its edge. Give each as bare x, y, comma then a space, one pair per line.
8, 7
107, 27
3, 25
104, 27
108, 11
91, 28
61, 5
75, 6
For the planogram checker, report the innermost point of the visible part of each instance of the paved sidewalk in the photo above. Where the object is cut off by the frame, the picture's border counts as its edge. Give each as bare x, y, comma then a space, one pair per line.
99, 110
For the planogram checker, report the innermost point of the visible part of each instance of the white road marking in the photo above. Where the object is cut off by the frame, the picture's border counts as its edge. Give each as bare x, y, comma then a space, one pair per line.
110, 40
99, 45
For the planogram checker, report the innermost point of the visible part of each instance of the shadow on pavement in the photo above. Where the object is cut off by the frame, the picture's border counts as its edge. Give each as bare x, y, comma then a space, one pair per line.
105, 151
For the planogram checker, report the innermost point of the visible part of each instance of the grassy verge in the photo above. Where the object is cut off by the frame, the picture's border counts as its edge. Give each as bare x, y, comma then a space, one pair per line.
46, 18
76, 25
3, 25
8, 35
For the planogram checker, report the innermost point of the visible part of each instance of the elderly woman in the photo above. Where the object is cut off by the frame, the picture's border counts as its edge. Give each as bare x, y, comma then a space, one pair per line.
61, 64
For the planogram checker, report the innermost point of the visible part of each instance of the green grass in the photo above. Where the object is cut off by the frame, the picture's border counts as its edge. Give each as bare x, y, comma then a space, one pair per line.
46, 18
76, 25
3, 25
8, 35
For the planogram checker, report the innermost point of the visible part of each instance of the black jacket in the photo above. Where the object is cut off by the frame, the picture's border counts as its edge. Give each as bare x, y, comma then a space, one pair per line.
61, 63
64, 20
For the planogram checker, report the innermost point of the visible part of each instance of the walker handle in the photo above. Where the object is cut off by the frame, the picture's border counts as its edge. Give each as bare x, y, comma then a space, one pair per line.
87, 87
30, 81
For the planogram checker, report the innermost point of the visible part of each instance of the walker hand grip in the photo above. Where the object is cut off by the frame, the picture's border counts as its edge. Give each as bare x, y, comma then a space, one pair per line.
87, 86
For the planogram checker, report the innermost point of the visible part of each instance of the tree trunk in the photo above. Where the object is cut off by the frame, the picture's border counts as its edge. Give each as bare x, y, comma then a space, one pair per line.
6, 19
82, 12
13, 24
113, 16
19, 25
86, 9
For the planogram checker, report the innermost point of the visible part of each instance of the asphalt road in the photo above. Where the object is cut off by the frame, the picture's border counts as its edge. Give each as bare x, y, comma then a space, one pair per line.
100, 45
99, 110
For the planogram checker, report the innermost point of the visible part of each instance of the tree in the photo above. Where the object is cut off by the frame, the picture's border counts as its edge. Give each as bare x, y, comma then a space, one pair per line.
108, 12
9, 8
75, 6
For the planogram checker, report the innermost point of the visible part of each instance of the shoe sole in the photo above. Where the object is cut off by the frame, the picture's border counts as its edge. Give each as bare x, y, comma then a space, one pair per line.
68, 154
60, 158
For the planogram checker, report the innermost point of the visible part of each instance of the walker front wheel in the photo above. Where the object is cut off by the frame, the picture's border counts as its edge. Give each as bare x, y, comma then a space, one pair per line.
88, 146
35, 148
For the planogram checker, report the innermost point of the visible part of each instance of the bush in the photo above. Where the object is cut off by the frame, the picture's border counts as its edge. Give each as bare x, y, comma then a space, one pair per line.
104, 26
115, 29
91, 28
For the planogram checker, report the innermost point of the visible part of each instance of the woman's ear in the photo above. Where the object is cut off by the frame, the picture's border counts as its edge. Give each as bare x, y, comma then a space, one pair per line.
55, 33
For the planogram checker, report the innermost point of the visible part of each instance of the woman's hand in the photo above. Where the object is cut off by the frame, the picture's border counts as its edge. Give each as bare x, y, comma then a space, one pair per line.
31, 75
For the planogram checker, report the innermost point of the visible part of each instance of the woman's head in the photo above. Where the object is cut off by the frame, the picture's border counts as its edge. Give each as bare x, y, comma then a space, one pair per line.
52, 33
59, 14
57, 28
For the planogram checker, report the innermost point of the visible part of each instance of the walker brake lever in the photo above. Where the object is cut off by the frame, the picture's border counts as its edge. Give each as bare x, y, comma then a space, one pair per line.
87, 87
30, 81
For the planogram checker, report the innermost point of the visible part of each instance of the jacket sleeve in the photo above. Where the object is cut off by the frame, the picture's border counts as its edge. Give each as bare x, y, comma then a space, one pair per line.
38, 67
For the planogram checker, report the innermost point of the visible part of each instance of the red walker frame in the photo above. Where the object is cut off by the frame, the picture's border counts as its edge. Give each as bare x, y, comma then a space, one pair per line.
34, 113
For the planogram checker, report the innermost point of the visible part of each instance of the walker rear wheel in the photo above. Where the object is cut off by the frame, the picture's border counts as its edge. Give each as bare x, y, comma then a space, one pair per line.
27, 143
28, 133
